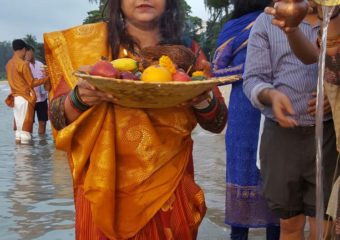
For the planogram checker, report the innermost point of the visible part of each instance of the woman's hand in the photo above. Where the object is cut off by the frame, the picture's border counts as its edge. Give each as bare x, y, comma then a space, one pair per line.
88, 96
200, 102
91, 96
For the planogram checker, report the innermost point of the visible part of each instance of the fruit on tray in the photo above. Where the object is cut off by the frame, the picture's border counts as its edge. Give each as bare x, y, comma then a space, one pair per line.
156, 73
125, 64
105, 69
181, 76
165, 61
127, 68
128, 76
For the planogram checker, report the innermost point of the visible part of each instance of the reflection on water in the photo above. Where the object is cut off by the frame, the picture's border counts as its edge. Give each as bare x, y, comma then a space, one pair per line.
35, 193
36, 196
41, 193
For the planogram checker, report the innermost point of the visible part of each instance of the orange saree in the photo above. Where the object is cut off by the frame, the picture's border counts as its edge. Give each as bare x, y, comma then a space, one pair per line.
129, 166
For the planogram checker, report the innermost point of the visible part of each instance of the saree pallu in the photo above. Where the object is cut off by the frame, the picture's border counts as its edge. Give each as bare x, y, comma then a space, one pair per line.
129, 166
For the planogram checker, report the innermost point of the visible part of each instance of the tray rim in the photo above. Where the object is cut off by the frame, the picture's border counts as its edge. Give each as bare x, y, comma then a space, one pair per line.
218, 80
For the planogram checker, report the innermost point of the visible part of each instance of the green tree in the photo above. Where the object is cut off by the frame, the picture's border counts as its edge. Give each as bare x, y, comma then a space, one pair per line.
96, 15
5, 54
213, 5
219, 13
30, 40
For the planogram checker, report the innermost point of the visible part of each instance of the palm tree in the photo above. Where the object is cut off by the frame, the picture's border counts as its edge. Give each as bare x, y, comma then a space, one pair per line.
95, 15
217, 5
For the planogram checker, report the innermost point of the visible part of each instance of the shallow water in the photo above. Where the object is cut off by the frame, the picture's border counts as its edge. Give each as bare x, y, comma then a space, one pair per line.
35, 185
35, 193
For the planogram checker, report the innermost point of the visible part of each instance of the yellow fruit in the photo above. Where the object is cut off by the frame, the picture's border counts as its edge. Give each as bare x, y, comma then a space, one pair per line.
125, 64
197, 74
165, 61
156, 73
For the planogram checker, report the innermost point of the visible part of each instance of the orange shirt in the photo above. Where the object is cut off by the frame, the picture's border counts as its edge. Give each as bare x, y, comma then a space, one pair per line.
21, 80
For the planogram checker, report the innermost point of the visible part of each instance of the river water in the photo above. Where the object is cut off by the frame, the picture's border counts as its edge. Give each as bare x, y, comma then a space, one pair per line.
36, 199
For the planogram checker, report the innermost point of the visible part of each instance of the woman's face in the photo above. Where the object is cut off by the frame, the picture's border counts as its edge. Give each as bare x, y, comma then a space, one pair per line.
143, 12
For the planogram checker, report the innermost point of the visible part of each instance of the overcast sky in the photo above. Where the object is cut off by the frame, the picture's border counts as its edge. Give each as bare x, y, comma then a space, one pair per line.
21, 17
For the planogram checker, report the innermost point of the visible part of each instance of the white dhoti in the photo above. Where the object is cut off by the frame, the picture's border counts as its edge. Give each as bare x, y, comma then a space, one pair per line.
23, 120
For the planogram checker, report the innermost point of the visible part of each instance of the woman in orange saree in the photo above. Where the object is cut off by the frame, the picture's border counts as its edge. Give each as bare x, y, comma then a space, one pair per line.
132, 168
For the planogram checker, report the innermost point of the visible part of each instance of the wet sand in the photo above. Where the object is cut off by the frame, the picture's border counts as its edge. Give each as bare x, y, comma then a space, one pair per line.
36, 194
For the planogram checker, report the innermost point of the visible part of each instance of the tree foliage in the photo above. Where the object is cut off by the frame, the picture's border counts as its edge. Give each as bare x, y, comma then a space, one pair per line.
96, 15
5, 54
219, 11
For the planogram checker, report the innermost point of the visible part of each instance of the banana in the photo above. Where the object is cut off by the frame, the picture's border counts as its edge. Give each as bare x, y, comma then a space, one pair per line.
125, 64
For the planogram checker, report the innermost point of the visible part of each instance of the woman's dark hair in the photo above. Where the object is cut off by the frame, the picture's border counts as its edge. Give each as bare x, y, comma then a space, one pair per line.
171, 26
243, 7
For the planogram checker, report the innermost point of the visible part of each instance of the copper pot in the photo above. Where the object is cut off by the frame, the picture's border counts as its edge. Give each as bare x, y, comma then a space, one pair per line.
292, 11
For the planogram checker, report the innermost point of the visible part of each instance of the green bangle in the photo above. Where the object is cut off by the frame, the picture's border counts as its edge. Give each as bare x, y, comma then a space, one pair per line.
77, 102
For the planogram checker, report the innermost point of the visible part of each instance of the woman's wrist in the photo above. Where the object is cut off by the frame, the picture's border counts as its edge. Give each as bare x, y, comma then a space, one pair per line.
206, 104
70, 103
76, 101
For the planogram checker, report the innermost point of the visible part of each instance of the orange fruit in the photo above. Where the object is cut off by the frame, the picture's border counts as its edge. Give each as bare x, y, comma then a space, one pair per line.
155, 73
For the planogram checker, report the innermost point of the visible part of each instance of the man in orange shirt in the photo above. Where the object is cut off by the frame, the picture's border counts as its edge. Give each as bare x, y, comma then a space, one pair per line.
22, 86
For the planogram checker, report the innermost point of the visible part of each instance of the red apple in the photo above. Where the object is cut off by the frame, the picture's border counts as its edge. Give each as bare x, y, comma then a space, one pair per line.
180, 76
104, 69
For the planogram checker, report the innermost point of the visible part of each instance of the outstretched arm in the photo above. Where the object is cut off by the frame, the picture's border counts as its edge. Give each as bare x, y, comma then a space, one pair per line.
31, 81
305, 50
